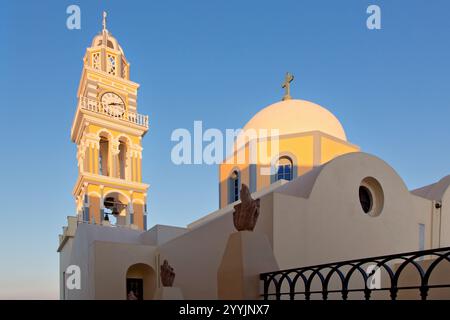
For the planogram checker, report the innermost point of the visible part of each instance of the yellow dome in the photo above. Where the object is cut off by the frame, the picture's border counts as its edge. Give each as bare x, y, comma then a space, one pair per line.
296, 116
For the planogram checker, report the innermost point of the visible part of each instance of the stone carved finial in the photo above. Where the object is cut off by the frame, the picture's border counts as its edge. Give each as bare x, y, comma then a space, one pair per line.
167, 274
246, 213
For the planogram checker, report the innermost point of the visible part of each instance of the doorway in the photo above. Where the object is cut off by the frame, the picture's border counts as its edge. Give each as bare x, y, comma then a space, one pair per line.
135, 289
140, 282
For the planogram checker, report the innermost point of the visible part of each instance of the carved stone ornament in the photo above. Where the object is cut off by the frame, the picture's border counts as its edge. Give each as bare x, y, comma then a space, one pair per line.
246, 213
167, 274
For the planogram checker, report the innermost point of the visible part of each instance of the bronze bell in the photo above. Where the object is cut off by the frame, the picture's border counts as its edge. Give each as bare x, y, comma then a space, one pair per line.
115, 211
109, 202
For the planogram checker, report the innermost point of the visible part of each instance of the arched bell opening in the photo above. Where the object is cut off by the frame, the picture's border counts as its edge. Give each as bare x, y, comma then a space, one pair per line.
115, 209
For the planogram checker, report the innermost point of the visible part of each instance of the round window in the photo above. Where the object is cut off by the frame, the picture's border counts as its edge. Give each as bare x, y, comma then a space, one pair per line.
365, 198
371, 196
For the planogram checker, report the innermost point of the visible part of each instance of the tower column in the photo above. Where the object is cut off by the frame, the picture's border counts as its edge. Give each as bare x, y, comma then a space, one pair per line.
92, 143
94, 209
119, 64
138, 216
91, 155
129, 164
135, 160
139, 172
139, 163
114, 158
101, 205
145, 212
81, 155
133, 165
96, 157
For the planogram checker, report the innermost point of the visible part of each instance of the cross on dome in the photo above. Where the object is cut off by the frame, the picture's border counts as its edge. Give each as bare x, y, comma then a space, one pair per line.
286, 85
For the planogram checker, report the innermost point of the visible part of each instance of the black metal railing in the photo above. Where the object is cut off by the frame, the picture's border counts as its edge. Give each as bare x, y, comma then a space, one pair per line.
343, 278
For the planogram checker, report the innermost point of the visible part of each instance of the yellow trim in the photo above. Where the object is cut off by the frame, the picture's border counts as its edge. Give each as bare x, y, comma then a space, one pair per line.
95, 179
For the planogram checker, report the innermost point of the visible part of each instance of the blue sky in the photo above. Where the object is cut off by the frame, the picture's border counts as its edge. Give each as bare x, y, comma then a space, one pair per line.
215, 61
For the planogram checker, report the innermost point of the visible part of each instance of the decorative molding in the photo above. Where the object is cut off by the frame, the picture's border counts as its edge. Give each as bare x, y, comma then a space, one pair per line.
103, 121
121, 192
129, 143
95, 194
290, 135
127, 185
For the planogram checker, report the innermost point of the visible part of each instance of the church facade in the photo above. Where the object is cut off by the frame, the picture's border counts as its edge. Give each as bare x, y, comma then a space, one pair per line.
320, 198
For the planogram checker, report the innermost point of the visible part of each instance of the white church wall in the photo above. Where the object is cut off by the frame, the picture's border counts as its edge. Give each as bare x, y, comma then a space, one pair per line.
289, 231
80, 253
331, 226
196, 255
438, 194
64, 262
423, 209
79, 256
160, 234
109, 264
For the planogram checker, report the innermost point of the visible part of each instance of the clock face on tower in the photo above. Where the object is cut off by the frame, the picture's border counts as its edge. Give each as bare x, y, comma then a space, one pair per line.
113, 104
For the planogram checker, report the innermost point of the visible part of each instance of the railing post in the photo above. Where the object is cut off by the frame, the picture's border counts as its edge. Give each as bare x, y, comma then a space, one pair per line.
424, 292
393, 293
367, 293
265, 286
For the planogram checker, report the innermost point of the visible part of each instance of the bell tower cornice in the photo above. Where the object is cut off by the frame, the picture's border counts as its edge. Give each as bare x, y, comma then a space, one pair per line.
102, 77
83, 119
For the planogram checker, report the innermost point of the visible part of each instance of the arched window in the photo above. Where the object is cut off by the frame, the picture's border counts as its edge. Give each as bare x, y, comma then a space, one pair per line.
284, 169
122, 159
234, 182
103, 168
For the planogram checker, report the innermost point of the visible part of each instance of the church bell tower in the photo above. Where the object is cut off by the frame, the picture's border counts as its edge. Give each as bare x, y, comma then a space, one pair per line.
108, 132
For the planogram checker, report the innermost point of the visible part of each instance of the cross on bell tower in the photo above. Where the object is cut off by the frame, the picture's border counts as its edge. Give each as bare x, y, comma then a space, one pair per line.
104, 21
